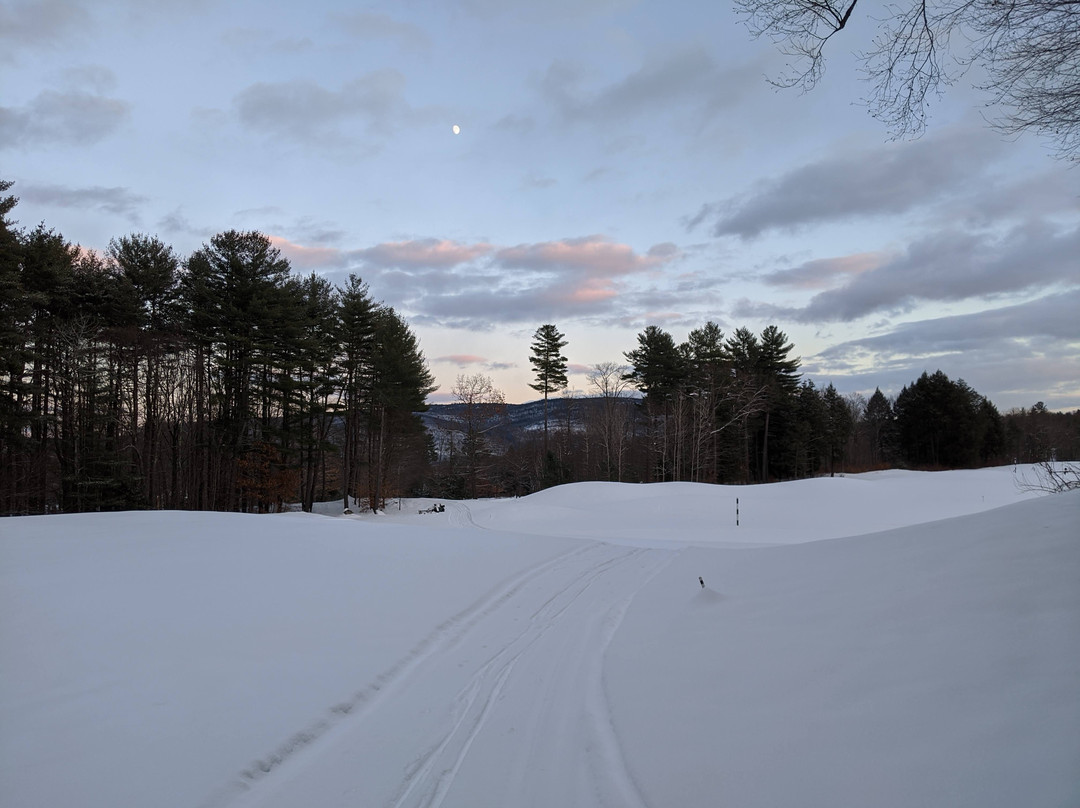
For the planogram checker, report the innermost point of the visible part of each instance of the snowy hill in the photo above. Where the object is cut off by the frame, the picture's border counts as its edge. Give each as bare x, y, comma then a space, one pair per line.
890, 639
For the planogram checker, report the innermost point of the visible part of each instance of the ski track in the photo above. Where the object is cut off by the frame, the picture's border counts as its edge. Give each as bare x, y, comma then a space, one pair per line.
461, 515
443, 637
512, 684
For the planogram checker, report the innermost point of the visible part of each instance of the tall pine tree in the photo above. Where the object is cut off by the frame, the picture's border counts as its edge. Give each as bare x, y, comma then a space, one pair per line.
549, 365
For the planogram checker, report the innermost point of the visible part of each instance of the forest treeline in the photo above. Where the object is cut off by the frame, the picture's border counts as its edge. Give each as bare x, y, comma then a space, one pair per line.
222, 381
735, 409
138, 378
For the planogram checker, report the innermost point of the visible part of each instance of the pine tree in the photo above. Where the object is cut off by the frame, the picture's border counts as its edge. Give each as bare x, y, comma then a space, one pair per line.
15, 312
714, 398
401, 383
881, 427
838, 424
150, 269
942, 423
237, 298
316, 379
357, 338
781, 378
549, 365
658, 368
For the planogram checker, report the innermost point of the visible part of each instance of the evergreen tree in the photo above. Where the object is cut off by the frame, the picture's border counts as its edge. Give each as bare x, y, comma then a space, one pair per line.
809, 430
707, 373
150, 270
658, 369
881, 429
47, 280
15, 313
236, 287
745, 352
838, 425
317, 380
357, 341
549, 365
939, 426
780, 376
401, 383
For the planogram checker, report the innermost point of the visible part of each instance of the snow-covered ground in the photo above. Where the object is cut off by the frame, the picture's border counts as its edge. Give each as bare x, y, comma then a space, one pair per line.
888, 639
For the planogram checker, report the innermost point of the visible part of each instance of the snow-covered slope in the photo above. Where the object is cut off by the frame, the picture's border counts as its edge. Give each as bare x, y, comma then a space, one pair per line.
556, 650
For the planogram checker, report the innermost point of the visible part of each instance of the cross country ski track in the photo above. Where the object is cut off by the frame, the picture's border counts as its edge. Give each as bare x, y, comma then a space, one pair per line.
502, 704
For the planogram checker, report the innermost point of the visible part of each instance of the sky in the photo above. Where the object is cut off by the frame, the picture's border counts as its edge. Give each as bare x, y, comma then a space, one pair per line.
618, 164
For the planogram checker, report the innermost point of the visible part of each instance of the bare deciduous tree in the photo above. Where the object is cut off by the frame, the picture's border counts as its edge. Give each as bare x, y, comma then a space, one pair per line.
608, 381
1029, 50
484, 406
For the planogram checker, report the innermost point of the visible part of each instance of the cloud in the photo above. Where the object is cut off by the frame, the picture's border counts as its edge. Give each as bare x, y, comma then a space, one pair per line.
34, 23
461, 360
405, 259
1052, 316
594, 254
368, 26
1014, 354
464, 361
824, 272
308, 257
116, 200
71, 118
888, 180
688, 77
305, 111
177, 223
421, 253
1045, 194
948, 265
318, 232
515, 124
480, 285
485, 307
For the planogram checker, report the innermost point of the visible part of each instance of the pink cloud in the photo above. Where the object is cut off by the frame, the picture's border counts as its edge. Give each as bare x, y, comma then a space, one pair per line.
594, 254
428, 252
591, 290
307, 257
461, 359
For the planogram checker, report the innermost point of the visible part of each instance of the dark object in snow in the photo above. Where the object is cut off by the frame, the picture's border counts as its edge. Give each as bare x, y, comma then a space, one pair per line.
701, 581
436, 508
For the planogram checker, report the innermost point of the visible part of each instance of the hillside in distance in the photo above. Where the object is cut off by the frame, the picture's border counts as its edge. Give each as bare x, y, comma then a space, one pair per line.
510, 424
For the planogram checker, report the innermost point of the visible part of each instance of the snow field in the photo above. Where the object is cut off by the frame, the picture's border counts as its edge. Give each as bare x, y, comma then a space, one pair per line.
937, 665
554, 650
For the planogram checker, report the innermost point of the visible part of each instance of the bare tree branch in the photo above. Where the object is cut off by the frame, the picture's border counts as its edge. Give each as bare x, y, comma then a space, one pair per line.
1029, 49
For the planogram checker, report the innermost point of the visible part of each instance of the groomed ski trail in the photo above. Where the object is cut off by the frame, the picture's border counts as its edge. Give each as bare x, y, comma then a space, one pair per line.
504, 707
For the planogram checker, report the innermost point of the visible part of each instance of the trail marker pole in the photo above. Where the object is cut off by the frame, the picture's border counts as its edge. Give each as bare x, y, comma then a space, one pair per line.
736, 511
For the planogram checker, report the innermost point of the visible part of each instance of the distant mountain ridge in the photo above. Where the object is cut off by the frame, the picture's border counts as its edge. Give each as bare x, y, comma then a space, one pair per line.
519, 420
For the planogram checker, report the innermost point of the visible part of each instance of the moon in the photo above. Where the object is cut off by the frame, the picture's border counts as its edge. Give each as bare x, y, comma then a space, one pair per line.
456, 129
